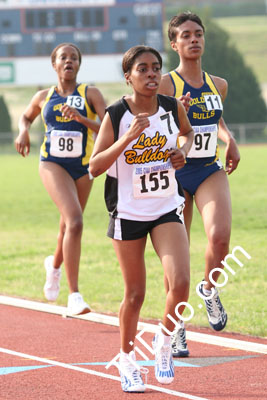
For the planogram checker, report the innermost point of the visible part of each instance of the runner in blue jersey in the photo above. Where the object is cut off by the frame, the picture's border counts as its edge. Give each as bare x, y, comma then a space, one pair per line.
203, 177
70, 113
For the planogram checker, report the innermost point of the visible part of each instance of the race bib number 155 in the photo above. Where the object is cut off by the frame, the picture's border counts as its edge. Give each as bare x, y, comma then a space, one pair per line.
153, 183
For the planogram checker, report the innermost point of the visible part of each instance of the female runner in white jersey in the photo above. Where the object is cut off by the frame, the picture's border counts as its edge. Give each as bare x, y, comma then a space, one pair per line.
203, 177
69, 111
138, 143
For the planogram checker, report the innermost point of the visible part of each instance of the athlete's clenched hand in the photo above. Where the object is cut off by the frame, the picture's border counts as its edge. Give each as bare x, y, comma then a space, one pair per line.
177, 157
139, 123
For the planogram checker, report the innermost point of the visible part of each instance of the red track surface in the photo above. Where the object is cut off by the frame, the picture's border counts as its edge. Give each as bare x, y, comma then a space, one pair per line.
74, 341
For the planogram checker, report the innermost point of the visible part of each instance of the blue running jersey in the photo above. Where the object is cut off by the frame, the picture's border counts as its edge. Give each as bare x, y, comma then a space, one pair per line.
204, 114
67, 141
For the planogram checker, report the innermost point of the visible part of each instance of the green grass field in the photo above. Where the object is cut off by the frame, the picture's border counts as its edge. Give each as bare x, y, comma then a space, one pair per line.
249, 34
29, 223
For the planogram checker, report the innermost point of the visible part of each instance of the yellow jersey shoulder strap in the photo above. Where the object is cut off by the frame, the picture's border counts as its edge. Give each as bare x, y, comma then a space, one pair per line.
49, 94
211, 83
178, 84
81, 89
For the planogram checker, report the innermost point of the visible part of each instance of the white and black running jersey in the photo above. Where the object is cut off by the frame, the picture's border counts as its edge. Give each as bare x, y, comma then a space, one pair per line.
140, 185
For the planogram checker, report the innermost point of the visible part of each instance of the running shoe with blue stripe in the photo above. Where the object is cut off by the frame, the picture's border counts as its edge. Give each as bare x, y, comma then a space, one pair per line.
164, 366
130, 372
216, 313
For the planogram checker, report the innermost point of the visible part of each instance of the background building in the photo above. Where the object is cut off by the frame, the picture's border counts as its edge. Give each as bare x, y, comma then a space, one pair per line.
102, 29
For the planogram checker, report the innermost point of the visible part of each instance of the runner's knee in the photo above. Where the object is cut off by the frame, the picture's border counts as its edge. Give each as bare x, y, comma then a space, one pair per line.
135, 298
75, 225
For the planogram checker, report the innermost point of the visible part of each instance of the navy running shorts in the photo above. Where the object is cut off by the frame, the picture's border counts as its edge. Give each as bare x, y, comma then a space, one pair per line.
193, 174
74, 167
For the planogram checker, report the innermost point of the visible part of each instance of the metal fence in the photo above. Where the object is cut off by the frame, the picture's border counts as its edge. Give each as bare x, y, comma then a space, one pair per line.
243, 133
249, 133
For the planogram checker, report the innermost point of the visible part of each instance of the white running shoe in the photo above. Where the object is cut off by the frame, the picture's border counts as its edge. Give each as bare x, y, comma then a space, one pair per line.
53, 275
130, 372
178, 340
77, 305
164, 366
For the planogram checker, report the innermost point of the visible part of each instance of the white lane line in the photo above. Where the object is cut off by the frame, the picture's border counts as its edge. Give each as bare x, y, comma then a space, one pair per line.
96, 373
110, 320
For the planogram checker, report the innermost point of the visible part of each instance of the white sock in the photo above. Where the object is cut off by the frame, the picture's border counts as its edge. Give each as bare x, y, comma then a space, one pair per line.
123, 354
166, 340
207, 292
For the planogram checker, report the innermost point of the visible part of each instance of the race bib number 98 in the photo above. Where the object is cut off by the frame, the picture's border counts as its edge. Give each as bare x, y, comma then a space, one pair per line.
156, 181
66, 144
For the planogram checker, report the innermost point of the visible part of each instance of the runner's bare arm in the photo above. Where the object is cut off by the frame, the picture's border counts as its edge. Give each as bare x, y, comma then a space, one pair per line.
232, 155
22, 142
186, 137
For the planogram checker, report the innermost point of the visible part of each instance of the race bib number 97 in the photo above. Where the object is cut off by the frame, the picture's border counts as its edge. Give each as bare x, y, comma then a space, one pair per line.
205, 141
156, 181
66, 144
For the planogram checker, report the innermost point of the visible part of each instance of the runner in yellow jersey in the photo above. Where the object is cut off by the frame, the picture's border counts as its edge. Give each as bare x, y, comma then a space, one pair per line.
69, 111
203, 178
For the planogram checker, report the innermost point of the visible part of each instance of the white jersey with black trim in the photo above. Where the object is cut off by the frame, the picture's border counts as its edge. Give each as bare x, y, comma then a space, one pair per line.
141, 184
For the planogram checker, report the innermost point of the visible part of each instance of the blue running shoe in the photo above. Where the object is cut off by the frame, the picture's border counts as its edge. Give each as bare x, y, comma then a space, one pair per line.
130, 372
178, 341
216, 313
164, 366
